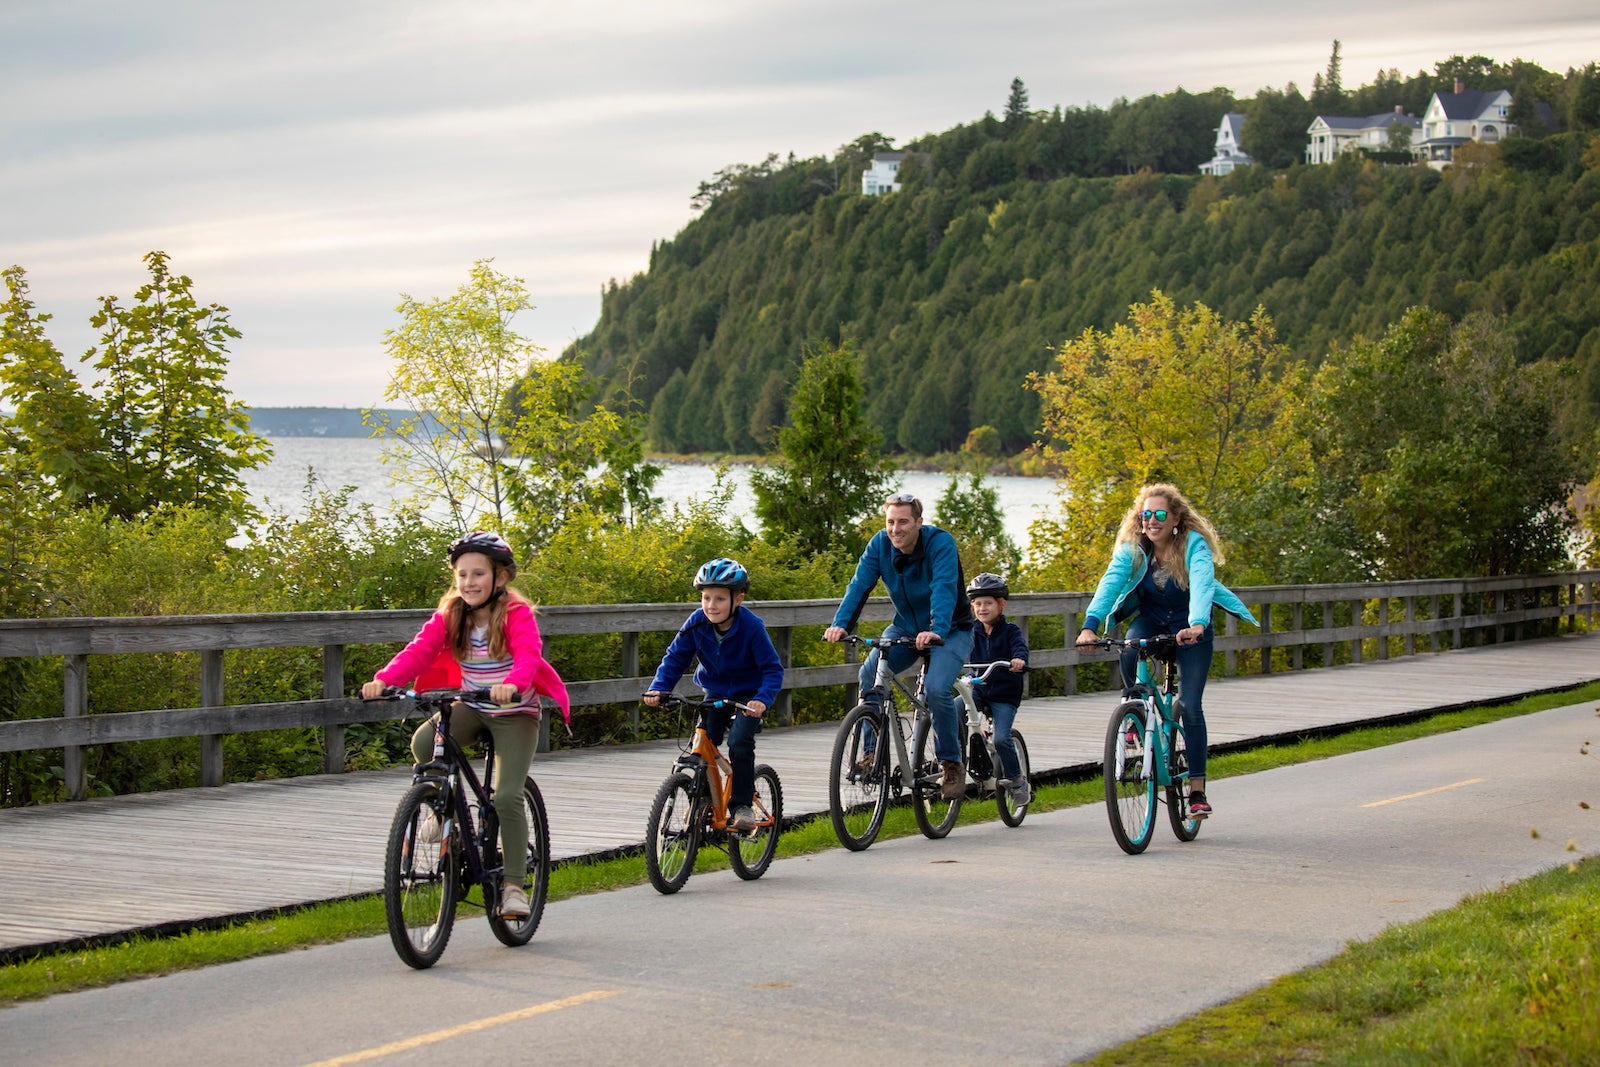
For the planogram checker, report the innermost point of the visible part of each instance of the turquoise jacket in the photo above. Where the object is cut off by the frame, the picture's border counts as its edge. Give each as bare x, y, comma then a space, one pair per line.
1127, 569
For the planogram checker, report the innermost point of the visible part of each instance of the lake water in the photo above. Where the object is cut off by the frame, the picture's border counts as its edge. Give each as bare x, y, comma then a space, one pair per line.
342, 461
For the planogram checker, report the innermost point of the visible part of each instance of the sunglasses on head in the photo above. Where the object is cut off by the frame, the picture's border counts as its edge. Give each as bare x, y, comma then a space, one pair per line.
902, 498
1160, 515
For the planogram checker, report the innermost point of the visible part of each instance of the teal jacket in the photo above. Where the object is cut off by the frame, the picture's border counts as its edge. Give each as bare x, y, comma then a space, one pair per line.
1127, 569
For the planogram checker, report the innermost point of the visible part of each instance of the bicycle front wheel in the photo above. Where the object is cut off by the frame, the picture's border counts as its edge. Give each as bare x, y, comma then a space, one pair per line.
672, 840
935, 815
1130, 789
536, 883
858, 777
420, 879
1184, 828
1011, 813
751, 853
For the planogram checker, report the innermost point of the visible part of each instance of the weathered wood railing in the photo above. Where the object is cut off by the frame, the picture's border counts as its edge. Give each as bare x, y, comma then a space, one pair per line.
1302, 626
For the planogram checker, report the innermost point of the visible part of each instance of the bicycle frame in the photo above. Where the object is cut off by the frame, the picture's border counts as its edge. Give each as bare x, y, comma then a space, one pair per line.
969, 688
886, 682
451, 768
711, 769
1161, 713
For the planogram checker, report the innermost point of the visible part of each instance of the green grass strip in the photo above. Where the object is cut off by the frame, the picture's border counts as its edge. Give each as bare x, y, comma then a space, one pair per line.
141, 957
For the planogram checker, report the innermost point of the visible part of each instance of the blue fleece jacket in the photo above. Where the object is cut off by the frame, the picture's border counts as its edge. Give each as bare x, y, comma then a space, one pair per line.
1004, 643
925, 584
741, 664
1127, 567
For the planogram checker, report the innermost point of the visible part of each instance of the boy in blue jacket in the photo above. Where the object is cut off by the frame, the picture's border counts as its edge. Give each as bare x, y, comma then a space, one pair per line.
995, 639
737, 662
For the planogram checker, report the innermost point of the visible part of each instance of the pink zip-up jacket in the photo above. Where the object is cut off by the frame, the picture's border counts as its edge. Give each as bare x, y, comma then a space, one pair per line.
430, 662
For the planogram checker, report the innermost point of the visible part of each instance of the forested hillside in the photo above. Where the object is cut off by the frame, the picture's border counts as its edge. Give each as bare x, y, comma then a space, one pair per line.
1015, 234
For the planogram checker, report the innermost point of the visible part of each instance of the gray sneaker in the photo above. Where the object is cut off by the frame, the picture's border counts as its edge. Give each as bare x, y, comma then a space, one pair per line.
1021, 793
514, 903
744, 819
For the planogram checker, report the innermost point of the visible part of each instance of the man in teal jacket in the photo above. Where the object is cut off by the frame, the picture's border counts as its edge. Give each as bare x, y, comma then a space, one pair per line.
920, 568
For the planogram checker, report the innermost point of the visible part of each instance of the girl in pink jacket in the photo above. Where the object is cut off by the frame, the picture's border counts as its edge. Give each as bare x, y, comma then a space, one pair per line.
484, 636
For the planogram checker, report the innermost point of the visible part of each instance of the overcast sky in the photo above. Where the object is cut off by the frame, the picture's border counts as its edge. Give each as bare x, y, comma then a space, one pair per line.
308, 162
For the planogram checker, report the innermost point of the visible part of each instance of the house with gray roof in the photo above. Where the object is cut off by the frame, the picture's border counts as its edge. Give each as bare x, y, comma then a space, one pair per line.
1228, 154
1462, 117
883, 176
1330, 136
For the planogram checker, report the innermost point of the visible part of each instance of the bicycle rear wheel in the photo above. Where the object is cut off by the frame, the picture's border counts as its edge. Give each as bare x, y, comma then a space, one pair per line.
1130, 791
672, 839
536, 883
1011, 814
420, 879
935, 815
751, 853
1184, 828
858, 777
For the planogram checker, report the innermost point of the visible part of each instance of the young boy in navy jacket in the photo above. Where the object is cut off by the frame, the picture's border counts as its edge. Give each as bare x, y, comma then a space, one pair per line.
995, 639
737, 662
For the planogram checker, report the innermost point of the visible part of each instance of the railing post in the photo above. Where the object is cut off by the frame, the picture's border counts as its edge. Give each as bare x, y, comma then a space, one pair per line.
211, 697
1069, 640
1456, 607
1022, 624
1297, 658
1231, 658
854, 688
1499, 613
1328, 618
630, 669
1433, 623
1411, 618
1358, 619
333, 689
1266, 628
74, 703
783, 641
1383, 627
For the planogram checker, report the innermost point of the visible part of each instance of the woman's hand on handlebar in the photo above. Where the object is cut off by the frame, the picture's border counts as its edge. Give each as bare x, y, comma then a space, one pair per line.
1087, 638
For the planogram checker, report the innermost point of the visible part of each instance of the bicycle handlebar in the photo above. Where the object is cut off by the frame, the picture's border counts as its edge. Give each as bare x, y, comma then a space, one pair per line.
983, 670
887, 642
673, 700
1145, 646
433, 698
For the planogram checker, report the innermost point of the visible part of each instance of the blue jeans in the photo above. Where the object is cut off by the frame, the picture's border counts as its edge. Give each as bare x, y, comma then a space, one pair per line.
944, 664
1194, 665
741, 749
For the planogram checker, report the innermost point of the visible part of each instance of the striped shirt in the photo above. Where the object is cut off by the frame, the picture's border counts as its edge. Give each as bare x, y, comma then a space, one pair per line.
481, 670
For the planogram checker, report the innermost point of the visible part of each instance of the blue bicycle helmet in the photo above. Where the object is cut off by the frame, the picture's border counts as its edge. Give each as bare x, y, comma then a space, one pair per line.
482, 541
723, 573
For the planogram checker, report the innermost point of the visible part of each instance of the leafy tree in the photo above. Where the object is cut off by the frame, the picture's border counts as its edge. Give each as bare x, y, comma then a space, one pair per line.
970, 509
1436, 454
1275, 126
830, 475
504, 437
1175, 395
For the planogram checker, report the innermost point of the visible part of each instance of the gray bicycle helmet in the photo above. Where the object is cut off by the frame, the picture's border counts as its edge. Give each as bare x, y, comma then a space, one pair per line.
987, 584
723, 573
482, 541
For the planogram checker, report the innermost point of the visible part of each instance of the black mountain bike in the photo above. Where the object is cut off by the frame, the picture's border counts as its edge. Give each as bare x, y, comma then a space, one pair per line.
445, 838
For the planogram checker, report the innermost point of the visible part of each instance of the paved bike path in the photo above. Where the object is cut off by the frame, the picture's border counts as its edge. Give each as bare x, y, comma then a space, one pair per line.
1037, 945
161, 860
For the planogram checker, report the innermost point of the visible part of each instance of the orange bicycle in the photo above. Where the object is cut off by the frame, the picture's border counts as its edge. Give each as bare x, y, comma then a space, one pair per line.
691, 808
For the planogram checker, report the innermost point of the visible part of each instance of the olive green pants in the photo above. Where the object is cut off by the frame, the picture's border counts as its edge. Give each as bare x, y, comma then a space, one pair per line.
515, 739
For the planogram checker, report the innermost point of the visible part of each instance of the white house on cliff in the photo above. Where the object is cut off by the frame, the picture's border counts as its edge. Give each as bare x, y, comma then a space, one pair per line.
1228, 153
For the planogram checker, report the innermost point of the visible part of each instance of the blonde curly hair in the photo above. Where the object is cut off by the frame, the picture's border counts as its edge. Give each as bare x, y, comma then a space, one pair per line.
1188, 521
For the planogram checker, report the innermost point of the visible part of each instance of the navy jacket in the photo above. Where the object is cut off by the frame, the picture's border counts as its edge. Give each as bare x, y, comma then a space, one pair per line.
741, 664
1007, 643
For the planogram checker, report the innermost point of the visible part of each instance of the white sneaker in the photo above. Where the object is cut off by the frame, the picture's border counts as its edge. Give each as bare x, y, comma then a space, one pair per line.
428, 826
1021, 793
744, 819
514, 903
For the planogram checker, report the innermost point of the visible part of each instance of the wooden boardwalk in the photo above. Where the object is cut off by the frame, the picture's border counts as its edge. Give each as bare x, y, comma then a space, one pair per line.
164, 860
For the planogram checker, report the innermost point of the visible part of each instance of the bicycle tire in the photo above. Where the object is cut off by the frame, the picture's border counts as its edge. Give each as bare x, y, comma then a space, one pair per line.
858, 797
750, 854
421, 882
936, 816
536, 883
1184, 828
672, 838
1011, 814
1130, 793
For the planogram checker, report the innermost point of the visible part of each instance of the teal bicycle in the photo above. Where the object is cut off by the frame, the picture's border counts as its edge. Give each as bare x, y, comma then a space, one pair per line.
1145, 760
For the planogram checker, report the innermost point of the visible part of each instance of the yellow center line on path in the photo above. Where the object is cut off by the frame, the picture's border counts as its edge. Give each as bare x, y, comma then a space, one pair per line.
465, 1028
1425, 792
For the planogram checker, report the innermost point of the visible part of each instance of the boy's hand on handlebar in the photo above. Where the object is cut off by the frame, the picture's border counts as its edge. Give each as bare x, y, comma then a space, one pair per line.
652, 698
755, 709
1018, 666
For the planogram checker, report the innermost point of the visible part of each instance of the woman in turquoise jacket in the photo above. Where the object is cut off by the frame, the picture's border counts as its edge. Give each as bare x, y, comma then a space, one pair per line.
1163, 571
